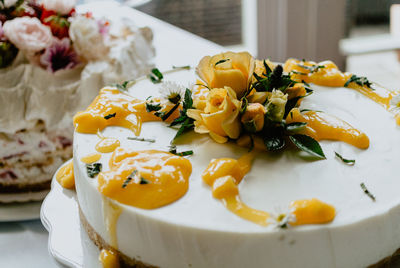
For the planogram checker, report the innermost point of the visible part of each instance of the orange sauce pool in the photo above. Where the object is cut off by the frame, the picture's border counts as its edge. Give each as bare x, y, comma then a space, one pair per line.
322, 126
331, 76
115, 108
65, 176
145, 179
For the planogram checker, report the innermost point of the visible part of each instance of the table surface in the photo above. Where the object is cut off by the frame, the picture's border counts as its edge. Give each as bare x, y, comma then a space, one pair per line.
24, 244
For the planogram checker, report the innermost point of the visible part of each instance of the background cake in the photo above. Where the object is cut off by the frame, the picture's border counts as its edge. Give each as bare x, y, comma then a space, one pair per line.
197, 230
53, 62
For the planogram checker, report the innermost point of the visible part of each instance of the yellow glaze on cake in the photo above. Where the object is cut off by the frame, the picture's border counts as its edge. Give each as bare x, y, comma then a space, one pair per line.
145, 179
91, 158
109, 259
65, 176
224, 175
322, 126
331, 76
312, 212
107, 145
129, 113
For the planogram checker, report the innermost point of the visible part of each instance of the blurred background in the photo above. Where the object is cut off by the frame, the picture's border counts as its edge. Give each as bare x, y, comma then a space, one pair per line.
355, 34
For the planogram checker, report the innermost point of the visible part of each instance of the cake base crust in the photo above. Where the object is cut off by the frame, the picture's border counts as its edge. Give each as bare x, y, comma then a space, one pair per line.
124, 260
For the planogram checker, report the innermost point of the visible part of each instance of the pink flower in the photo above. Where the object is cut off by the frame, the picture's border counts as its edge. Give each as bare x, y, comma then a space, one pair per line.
28, 34
63, 7
59, 56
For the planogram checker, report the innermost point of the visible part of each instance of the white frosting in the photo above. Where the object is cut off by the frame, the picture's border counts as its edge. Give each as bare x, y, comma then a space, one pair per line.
28, 93
199, 231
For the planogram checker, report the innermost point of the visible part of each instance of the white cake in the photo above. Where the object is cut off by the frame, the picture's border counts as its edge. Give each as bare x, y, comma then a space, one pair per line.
37, 106
198, 231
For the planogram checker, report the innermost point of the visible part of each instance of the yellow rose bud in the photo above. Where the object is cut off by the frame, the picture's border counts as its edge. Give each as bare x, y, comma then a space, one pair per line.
220, 115
259, 97
253, 117
227, 69
276, 105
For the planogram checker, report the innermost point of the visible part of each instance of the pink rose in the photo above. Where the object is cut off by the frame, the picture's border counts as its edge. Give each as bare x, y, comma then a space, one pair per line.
60, 6
28, 34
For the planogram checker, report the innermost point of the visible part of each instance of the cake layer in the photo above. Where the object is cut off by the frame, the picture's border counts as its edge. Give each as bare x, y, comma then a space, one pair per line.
198, 231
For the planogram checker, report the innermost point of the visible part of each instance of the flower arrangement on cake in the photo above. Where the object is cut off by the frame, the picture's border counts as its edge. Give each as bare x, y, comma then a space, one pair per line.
53, 61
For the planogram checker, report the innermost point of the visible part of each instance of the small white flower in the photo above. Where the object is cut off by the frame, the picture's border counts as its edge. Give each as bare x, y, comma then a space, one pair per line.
395, 101
172, 91
282, 218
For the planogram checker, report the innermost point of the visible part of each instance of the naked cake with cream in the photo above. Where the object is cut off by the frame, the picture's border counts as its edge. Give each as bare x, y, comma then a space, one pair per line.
53, 61
255, 164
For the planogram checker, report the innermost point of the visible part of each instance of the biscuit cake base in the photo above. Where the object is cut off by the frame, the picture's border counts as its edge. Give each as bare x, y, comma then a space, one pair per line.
198, 231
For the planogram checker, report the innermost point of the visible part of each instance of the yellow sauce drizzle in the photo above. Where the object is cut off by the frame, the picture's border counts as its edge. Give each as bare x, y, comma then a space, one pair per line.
322, 126
312, 212
91, 158
157, 178
109, 259
107, 145
111, 213
129, 113
331, 76
226, 190
224, 175
65, 176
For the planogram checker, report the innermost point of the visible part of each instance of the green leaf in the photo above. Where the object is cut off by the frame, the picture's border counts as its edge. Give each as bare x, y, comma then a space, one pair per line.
151, 107
93, 169
187, 125
188, 101
244, 105
295, 126
274, 143
250, 126
167, 115
173, 150
144, 181
367, 192
313, 68
350, 162
221, 61
141, 139
308, 144
123, 86
186, 67
129, 179
156, 76
359, 80
290, 104
110, 116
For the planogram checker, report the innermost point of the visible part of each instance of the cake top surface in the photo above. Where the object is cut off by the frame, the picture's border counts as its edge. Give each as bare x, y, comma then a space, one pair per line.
276, 178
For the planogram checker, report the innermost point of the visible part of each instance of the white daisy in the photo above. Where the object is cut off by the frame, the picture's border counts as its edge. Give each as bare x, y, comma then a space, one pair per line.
172, 91
282, 218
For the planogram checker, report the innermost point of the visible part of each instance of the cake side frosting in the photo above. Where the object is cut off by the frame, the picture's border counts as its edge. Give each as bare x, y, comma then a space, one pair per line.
273, 181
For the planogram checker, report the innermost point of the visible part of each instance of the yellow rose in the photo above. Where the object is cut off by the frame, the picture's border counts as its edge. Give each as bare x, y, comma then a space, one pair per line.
229, 69
220, 115
253, 117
